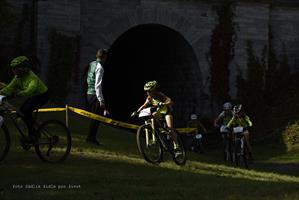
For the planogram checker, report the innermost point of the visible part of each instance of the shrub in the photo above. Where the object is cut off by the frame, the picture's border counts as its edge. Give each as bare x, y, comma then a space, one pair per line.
291, 136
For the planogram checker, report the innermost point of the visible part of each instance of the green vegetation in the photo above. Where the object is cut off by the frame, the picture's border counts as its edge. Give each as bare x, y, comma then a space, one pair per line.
116, 171
291, 136
222, 51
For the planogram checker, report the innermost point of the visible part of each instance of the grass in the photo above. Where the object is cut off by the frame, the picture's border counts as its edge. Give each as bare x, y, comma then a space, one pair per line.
116, 171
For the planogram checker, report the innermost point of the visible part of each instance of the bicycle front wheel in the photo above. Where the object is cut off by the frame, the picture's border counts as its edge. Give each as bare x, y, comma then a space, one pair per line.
4, 142
240, 154
54, 141
149, 144
182, 158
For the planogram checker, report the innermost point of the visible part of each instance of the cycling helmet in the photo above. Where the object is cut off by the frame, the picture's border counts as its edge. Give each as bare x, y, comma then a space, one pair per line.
238, 109
18, 60
151, 85
227, 106
193, 116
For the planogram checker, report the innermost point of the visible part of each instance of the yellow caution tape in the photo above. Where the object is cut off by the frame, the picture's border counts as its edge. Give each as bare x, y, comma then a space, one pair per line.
51, 109
186, 130
102, 119
105, 119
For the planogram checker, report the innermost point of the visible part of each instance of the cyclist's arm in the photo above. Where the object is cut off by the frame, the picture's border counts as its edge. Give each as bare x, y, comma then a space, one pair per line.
144, 105
231, 121
202, 127
218, 119
10, 88
165, 99
31, 89
248, 121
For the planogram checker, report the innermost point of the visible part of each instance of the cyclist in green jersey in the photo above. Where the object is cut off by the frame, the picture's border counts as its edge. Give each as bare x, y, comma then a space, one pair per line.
241, 119
164, 105
26, 84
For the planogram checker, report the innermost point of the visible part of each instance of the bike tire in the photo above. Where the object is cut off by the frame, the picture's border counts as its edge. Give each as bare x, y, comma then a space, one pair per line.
4, 142
53, 137
240, 157
180, 160
152, 153
228, 155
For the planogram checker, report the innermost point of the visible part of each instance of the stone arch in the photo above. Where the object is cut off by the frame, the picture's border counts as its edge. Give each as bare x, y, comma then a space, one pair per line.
177, 25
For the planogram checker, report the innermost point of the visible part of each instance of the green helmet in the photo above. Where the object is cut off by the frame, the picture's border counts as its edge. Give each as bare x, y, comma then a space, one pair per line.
18, 60
151, 85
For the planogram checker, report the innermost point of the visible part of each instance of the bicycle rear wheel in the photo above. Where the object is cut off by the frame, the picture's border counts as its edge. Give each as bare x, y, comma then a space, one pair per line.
149, 144
4, 142
180, 159
54, 141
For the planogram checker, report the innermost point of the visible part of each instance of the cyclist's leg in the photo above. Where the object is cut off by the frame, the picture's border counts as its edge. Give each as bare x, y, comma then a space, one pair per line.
246, 136
29, 106
169, 123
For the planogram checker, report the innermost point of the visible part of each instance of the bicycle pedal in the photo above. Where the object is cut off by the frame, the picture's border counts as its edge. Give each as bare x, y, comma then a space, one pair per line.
26, 146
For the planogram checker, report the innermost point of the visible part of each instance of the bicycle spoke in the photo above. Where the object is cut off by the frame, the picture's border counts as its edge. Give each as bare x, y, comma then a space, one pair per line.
54, 141
149, 145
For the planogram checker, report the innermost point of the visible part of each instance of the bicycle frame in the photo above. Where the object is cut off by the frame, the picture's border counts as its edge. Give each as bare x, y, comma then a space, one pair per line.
8, 111
240, 147
156, 127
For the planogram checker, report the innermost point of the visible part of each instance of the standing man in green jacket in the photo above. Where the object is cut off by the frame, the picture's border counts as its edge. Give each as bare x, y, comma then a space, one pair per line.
95, 98
26, 84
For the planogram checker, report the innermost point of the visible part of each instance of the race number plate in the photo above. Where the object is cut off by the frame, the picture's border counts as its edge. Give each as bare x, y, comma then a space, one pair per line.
238, 129
145, 112
198, 136
1, 99
223, 129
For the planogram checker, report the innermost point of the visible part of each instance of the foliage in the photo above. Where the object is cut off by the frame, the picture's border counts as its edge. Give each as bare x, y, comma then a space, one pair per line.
251, 89
291, 136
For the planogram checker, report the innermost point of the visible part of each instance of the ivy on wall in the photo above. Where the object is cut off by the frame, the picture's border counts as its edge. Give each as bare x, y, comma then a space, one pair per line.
222, 51
62, 61
251, 89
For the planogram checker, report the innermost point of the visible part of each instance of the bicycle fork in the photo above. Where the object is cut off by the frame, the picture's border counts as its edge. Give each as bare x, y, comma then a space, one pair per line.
147, 134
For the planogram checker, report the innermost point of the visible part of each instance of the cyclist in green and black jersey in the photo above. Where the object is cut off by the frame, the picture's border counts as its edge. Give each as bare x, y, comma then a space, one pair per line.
26, 84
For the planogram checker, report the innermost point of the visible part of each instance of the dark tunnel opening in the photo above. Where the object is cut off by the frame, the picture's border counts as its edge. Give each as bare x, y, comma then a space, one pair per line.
144, 53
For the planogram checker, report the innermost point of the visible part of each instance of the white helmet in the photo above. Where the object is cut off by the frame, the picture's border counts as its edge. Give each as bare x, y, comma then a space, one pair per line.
193, 116
227, 106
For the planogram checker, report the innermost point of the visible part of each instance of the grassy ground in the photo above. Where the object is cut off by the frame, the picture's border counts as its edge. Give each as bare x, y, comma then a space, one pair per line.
116, 171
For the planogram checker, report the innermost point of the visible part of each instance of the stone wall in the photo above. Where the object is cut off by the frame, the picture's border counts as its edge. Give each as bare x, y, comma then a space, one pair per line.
101, 23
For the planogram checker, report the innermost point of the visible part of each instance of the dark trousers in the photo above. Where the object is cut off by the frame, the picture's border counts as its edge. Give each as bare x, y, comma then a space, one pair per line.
30, 105
94, 107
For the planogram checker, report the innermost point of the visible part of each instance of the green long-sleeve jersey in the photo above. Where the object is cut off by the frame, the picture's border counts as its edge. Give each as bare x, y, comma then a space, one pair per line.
28, 85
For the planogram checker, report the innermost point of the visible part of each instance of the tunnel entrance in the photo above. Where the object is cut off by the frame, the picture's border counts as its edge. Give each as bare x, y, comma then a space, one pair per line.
150, 52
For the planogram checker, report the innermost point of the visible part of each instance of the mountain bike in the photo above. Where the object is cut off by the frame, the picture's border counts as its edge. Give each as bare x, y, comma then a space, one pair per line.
240, 147
52, 139
154, 138
227, 144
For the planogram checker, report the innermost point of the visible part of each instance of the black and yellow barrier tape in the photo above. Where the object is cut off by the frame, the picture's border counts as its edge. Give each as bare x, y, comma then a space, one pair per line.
106, 120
